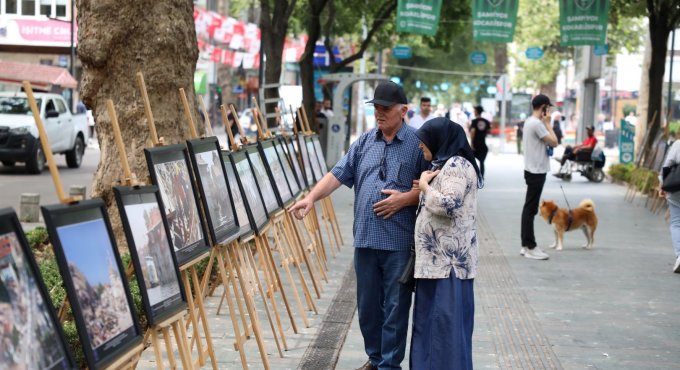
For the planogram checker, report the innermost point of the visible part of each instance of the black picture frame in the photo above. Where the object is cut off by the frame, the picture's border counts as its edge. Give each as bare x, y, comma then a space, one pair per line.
320, 155
240, 202
287, 169
306, 164
211, 177
264, 183
313, 159
26, 306
170, 171
148, 238
94, 277
276, 172
287, 143
257, 211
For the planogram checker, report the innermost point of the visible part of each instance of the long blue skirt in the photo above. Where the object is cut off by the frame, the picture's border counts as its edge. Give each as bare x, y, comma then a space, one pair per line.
443, 319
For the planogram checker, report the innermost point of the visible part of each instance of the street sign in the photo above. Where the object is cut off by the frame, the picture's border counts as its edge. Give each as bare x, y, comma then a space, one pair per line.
626, 142
477, 57
402, 52
534, 53
601, 49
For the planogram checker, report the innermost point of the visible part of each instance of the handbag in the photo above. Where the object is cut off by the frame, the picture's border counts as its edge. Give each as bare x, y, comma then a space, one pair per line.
671, 179
407, 276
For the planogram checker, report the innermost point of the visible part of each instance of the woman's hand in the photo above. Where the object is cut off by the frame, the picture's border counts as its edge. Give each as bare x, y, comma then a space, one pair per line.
662, 193
425, 179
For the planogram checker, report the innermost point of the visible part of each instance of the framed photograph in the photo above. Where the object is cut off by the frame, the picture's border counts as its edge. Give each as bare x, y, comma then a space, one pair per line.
240, 203
30, 333
155, 265
306, 164
250, 188
287, 169
94, 279
275, 171
289, 148
211, 177
265, 185
169, 170
319, 153
313, 158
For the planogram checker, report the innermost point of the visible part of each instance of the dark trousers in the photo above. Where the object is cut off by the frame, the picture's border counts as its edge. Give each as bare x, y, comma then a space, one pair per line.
535, 182
480, 154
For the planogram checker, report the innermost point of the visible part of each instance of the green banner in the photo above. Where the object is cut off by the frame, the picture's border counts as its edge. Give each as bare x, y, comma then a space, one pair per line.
494, 20
583, 22
418, 16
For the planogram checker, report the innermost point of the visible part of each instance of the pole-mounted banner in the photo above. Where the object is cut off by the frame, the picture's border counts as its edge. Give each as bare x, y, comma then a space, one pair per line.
418, 16
494, 20
583, 22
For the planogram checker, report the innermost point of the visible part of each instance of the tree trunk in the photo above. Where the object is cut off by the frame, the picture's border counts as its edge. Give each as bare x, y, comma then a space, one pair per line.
307, 59
643, 99
549, 89
500, 56
115, 41
274, 27
659, 39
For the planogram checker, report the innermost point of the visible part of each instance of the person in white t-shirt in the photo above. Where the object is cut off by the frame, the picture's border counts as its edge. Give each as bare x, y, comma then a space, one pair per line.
538, 135
424, 115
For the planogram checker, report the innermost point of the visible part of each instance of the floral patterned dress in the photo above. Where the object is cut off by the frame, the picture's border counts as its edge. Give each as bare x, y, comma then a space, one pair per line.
446, 231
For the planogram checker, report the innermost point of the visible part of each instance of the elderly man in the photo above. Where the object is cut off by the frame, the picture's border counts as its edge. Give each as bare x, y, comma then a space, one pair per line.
381, 166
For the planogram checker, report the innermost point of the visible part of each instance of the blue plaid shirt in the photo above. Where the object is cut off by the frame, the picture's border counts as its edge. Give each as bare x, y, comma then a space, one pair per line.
360, 168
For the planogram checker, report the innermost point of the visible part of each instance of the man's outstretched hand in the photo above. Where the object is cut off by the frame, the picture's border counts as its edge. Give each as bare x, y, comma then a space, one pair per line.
301, 208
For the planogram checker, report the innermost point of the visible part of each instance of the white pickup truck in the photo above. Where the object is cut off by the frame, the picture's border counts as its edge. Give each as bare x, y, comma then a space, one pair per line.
19, 141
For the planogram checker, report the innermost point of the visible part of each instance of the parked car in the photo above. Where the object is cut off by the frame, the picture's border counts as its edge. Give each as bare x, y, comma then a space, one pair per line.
67, 133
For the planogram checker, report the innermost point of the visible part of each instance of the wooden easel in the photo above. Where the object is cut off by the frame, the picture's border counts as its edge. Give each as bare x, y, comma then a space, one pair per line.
129, 359
177, 321
281, 233
227, 274
267, 264
327, 208
188, 271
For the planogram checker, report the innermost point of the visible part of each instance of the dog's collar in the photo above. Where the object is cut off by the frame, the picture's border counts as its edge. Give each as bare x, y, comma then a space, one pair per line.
552, 214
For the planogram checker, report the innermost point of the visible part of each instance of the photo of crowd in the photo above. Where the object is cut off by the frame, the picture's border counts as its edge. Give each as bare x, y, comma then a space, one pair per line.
181, 211
215, 190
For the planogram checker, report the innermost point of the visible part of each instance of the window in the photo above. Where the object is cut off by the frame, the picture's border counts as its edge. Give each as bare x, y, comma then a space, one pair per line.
61, 106
27, 7
11, 6
50, 106
46, 8
61, 8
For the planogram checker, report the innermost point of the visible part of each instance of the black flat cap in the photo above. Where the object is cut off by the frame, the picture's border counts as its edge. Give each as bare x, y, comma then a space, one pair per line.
388, 94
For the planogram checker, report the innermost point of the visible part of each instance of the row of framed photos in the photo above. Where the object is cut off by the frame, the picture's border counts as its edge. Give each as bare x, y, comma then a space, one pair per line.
164, 229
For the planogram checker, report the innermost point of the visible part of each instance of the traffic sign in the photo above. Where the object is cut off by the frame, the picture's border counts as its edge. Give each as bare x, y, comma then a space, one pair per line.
478, 57
534, 53
601, 49
402, 52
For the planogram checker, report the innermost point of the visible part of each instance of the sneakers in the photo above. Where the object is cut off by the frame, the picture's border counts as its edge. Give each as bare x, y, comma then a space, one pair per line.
523, 251
676, 268
534, 254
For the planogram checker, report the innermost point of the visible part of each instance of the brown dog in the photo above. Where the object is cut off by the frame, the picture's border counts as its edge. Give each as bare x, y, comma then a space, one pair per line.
583, 218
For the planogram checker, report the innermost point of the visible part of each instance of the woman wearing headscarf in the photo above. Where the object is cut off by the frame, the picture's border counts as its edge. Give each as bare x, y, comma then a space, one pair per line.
446, 250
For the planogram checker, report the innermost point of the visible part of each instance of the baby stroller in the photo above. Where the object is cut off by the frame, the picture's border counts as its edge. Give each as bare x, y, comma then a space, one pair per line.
588, 163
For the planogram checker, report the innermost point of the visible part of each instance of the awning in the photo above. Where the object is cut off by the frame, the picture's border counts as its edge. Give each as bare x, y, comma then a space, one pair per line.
39, 75
200, 82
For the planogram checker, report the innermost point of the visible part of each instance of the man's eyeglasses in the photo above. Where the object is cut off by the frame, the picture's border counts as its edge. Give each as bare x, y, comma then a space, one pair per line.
382, 172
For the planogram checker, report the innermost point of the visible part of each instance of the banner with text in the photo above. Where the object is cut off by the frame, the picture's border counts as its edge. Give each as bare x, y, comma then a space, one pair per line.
418, 16
583, 22
494, 20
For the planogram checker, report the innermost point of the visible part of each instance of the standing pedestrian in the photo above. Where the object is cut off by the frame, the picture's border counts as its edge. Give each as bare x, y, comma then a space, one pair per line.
538, 135
446, 250
424, 115
479, 127
381, 166
673, 199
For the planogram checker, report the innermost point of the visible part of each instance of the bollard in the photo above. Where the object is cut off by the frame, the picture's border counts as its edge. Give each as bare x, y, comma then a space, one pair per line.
29, 208
77, 191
